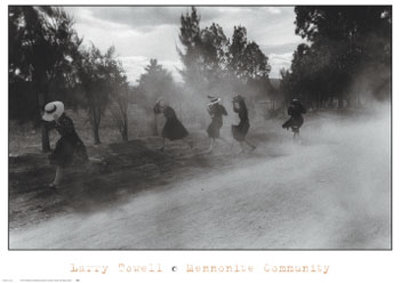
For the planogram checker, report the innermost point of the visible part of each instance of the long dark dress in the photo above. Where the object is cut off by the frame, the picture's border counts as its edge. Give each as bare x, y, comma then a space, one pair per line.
69, 148
173, 128
296, 120
216, 111
239, 131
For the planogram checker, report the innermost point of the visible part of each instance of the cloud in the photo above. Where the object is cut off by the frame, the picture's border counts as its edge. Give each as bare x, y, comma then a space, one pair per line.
265, 25
134, 66
143, 19
279, 61
141, 33
279, 48
274, 10
173, 67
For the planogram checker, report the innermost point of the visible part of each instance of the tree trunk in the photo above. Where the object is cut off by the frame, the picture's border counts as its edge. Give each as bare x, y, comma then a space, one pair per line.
95, 125
45, 139
96, 134
125, 137
124, 133
155, 126
44, 129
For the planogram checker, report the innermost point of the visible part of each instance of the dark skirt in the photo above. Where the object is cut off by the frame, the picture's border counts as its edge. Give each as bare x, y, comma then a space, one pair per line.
213, 129
295, 122
239, 132
69, 150
174, 130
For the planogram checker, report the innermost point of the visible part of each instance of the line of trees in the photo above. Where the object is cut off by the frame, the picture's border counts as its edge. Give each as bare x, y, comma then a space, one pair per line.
154, 83
214, 64
208, 55
347, 55
47, 62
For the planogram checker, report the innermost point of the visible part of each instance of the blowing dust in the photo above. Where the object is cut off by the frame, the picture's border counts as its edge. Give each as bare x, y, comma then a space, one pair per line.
331, 189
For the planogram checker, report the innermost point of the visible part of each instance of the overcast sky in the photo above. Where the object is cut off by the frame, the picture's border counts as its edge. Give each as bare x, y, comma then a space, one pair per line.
141, 33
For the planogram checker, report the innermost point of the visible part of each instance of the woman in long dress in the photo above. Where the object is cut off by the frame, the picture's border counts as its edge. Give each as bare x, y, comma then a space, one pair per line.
173, 128
239, 131
296, 120
216, 111
69, 149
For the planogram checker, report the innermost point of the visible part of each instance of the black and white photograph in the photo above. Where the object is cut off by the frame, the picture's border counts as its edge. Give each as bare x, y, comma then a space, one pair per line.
205, 127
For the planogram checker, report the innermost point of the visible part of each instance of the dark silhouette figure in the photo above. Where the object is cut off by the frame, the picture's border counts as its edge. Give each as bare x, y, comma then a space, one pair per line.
296, 120
173, 128
69, 149
239, 131
216, 111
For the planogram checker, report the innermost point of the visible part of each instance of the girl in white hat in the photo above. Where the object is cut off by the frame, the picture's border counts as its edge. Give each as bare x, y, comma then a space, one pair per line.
69, 148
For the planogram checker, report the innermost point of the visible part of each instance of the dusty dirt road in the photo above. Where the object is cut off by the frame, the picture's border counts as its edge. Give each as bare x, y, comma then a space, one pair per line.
330, 191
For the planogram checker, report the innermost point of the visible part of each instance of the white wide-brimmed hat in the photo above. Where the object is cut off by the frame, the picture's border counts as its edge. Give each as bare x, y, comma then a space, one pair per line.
214, 100
53, 110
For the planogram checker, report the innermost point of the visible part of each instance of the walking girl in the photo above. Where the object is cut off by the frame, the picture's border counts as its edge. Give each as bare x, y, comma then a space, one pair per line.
216, 111
239, 131
296, 120
69, 148
173, 128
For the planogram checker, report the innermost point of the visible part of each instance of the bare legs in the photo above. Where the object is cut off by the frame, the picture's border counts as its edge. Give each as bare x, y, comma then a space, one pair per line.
58, 178
163, 144
211, 146
252, 146
224, 140
296, 133
246, 142
213, 142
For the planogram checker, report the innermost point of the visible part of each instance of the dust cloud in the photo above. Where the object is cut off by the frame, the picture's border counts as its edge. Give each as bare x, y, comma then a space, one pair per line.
329, 190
